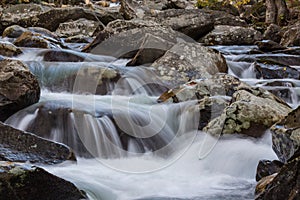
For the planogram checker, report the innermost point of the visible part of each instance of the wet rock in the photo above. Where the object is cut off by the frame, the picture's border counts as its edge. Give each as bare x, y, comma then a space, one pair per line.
282, 59
187, 61
286, 136
269, 45
231, 35
19, 146
23, 181
271, 70
291, 37
285, 185
266, 168
9, 50
79, 27
13, 31
34, 40
263, 184
45, 33
192, 22
274, 33
18, 89
61, 56
251, 113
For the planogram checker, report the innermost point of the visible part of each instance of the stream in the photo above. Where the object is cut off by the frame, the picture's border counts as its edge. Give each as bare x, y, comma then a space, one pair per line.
160, 158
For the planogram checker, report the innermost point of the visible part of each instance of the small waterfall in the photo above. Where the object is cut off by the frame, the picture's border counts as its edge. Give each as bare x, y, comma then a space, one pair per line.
112, 126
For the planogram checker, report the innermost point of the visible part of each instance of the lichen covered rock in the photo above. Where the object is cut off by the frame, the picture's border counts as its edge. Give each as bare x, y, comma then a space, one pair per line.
9, 50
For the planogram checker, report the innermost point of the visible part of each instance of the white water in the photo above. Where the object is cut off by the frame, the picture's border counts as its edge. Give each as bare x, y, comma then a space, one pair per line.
226, 173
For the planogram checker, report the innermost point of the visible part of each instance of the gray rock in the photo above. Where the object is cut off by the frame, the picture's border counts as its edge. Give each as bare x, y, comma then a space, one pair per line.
23, 181
19, 146
274, 33
9, 50
18, 88
84, 27
231, 35
269, 45
39, 16
193, 22
13, 31
291, 36
188, 61
286, 136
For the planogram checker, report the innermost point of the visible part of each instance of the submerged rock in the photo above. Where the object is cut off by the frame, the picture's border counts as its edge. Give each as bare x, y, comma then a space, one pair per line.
19, 146
18, 88
23, 181
9, 50
231, 35
286, 136
187, 61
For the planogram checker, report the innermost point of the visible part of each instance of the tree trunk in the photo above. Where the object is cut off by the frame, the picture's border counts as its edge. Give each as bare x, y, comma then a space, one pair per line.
282, 12
277, 12
271, 12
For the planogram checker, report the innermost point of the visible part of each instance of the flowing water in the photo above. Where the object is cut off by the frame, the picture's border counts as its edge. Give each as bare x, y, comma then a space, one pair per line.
130, 147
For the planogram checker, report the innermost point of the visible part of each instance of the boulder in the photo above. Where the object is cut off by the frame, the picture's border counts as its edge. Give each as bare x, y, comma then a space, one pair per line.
79, 27
271, 70
9, 50
188, 61
24, 181
263, 183
34, 40
61, 56
282, 59
250, 113
266, 168
231, 35
179, 4
19, 146
285, 185
224, 18
291, 36
123, 39
269, 45
273, 32
13, 31
193, 22
286, 136
39, 16
18, 89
